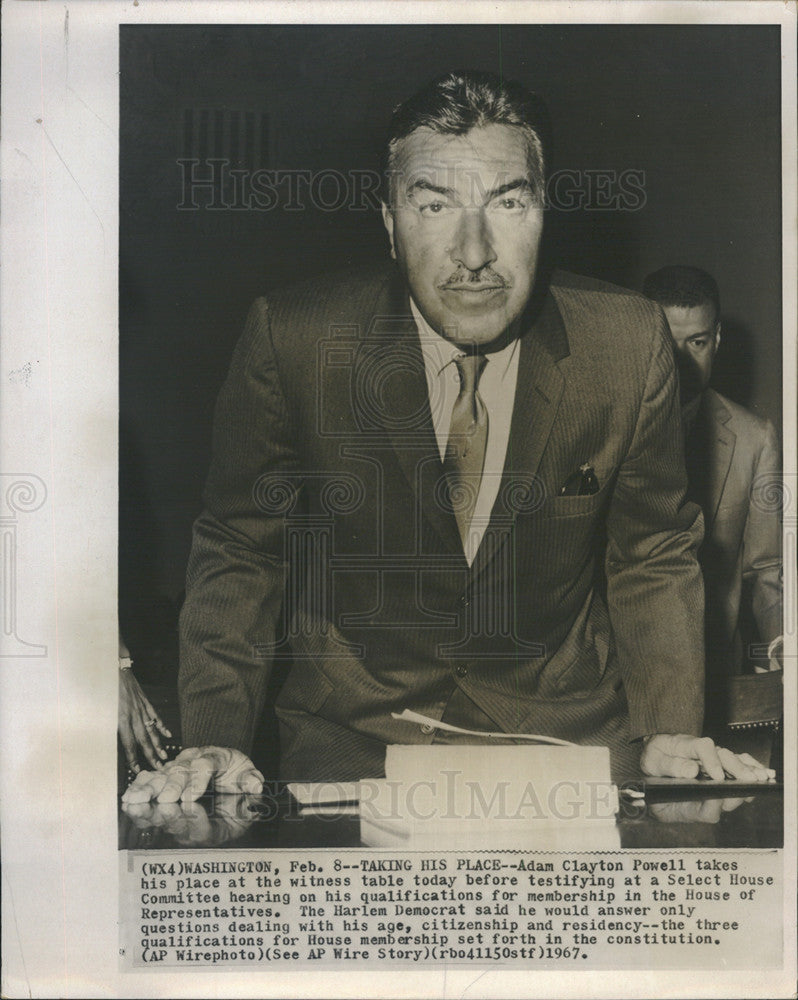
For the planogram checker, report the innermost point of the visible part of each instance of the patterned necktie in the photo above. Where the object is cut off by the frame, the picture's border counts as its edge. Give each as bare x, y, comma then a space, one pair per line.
468, 438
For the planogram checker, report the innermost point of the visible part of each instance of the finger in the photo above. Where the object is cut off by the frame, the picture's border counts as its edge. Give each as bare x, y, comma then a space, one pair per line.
681, 767
673, 744
170, 811
241, 777
173, 820
145, 786
667, 812
757, 766
200, 774
157, 748
145, 723
154, 717
742, 766
145, 743
226, 828
709, 811
736, 767
162, 728
251, 781
657, 763
149, 751
141, 789
706, 752
234, 773
677, 812
152, 737
728, 805
157, 816
227, 807
154, 740
129, 746
140, 814
178, 776
198, 825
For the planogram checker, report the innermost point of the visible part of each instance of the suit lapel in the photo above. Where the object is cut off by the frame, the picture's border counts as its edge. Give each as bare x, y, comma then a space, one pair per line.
391, 395
538, 392
720, 441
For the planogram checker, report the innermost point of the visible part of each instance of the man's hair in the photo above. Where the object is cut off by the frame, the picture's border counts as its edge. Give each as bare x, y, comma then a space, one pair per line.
678, 285
457, 102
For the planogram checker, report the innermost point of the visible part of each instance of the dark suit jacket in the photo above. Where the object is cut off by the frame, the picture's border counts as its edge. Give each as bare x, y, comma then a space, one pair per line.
326, 486
734, 471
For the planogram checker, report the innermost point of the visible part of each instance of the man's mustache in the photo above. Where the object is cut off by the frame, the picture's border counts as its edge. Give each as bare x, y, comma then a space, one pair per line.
487, 278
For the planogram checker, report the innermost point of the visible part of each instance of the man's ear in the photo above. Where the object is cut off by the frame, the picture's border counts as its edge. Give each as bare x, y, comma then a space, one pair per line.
387, 218
717, 337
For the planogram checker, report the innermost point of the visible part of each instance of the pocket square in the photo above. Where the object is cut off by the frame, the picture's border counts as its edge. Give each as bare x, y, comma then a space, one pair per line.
581, 483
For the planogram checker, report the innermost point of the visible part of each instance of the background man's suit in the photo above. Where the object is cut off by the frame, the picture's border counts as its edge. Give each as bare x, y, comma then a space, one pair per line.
326, 485
734, 466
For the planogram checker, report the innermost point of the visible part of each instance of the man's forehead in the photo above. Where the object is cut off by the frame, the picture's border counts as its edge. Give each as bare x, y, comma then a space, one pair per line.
691, 321
493, 148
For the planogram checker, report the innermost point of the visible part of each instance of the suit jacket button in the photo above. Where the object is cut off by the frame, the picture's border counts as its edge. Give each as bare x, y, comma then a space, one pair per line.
461, 671
426, 729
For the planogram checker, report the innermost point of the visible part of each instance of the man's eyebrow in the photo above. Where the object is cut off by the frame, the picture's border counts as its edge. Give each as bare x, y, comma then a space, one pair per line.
697, 336
424, 185
519, 182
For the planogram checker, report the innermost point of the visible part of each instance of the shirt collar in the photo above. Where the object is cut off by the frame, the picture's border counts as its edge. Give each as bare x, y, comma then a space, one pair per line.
439, 352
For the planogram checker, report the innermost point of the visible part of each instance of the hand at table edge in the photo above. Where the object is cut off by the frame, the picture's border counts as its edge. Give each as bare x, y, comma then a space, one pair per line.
667, 755
193, 772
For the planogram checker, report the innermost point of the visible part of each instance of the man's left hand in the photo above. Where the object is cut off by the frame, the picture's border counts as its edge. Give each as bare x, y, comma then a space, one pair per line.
680, 756
191, 823
192, 772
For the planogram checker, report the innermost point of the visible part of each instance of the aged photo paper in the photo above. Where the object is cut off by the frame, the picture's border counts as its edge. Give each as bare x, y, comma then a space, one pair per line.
616, 256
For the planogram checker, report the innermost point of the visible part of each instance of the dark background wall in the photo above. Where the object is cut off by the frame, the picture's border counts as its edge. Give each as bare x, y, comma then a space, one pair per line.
696, 109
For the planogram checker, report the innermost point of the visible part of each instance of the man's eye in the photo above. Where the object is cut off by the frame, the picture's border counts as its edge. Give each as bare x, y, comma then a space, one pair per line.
509, 204
433, 208
698, 344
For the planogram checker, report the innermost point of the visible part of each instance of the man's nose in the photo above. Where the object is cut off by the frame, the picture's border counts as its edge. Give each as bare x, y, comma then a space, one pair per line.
473, 245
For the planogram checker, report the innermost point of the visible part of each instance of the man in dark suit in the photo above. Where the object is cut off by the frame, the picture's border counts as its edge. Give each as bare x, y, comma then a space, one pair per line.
455, 487
733, 467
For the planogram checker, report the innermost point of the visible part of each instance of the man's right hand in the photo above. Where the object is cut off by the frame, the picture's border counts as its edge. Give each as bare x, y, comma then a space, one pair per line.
681, 756
194, 771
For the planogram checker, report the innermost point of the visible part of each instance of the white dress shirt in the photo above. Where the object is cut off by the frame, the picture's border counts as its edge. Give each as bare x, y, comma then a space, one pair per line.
497, 391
